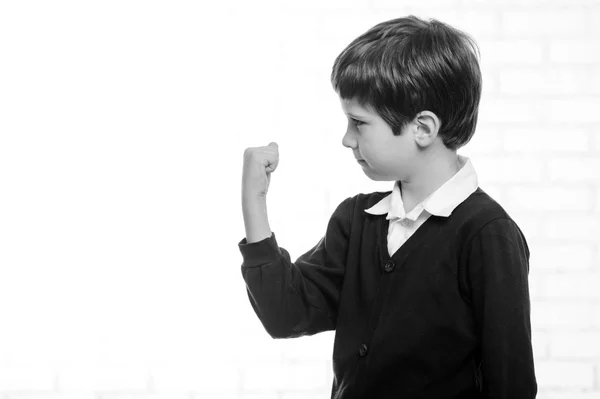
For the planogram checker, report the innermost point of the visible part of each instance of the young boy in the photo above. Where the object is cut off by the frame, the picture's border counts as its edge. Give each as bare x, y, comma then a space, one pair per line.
426, 285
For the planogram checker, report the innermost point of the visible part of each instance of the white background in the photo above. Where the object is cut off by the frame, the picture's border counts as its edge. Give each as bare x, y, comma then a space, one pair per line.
122, 130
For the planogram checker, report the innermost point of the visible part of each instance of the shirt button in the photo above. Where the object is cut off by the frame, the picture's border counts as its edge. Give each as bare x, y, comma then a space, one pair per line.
389, 266
363, 350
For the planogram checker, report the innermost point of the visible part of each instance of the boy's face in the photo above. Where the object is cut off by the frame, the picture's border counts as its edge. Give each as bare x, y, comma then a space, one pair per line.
385, 157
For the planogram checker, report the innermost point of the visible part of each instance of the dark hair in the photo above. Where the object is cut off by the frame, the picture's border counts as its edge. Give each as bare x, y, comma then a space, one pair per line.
407, 65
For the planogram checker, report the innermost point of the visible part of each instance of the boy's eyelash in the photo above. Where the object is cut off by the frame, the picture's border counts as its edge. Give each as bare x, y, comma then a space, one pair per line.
357, 122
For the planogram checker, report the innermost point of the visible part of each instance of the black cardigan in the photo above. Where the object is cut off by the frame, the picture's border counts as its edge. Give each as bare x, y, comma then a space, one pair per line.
447, 316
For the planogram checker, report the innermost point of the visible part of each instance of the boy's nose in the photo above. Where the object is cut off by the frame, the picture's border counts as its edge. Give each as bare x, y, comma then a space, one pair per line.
348, 140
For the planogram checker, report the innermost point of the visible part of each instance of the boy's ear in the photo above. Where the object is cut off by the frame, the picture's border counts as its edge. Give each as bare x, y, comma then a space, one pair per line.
426, 126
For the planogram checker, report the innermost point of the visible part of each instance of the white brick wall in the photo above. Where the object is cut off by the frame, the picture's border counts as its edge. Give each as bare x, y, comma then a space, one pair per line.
550, 140
84, 190
543, 23
575, 346
563, 374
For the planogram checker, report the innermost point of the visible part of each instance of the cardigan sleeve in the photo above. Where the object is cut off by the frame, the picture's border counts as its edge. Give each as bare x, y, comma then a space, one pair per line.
498, 270
293, 299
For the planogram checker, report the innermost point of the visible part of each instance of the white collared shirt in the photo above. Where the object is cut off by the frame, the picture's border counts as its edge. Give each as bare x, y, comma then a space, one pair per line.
440, 203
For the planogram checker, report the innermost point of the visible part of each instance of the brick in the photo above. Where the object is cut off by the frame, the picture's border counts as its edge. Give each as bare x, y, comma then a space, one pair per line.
536, 286
549, 198
541, 81
578, 345
568, 394
305, 376
331, 6
476, 23
557, 314
574, 51
491, 84
27, 377
555, 374
543, 22
392, 5
596, 315
246, 395
545, 140
318, 347
320, 395
308, 376
573, 285
540, 342
57, 395
595, 137
528, 3
300, 59
572, 111
203, 377
495, 169
261, 348
513, 111
257, 5
573, 228
561, 257
593, 80
300, 27
149, 395
510, 52
295, 58
346, 25
593, 16
580, 169
114, 378
485, 140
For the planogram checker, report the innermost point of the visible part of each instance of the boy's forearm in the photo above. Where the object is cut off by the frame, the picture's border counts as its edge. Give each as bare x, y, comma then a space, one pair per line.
256, 221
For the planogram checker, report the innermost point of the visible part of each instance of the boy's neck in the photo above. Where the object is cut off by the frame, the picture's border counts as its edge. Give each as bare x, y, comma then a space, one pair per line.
431, 176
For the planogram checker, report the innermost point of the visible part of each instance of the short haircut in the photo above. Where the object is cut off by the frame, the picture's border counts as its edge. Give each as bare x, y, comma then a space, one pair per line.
407, 65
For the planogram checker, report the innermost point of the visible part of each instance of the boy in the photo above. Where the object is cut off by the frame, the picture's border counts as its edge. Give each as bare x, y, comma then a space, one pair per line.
426, 285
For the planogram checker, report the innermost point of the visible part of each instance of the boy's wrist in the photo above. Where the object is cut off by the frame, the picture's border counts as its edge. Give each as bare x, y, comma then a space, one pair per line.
256, 222
248, 195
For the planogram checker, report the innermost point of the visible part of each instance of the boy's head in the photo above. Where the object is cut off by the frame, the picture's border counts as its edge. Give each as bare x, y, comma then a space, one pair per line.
402, 67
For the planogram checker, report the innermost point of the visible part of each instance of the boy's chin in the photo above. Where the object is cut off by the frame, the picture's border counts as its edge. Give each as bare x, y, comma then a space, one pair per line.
376, 177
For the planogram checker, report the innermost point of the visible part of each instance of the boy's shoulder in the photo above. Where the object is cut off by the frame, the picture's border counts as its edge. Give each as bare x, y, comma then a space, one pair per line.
482, 207
477, 210
470, 218
479, 202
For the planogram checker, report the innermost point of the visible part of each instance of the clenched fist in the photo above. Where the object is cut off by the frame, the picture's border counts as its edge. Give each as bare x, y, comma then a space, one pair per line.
259, 163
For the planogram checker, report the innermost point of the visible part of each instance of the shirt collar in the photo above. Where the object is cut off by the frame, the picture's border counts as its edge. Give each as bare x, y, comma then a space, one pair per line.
440, 203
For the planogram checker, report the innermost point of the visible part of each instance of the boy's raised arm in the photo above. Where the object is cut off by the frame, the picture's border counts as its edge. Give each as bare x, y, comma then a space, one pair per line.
499, 268
291, 299
259, 163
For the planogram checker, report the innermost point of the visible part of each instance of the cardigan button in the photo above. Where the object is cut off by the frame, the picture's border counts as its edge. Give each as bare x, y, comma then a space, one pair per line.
363, 350
389, 266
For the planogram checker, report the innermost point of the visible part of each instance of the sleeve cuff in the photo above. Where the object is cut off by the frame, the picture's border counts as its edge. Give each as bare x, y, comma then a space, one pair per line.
259, 253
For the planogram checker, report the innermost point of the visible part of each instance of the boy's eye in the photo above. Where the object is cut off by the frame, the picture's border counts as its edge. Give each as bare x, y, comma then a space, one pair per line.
357, 122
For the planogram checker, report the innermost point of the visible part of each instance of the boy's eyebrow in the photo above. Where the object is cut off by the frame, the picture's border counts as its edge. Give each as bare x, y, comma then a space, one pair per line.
350, 114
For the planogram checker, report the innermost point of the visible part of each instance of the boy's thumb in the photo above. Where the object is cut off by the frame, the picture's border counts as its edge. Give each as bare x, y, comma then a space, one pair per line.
273, 144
